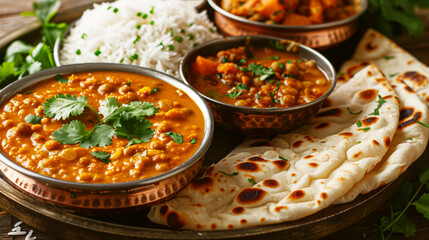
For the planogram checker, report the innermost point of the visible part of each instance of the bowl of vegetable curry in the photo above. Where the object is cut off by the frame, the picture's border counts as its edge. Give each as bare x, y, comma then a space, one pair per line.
102, 136
318, 24
259, 86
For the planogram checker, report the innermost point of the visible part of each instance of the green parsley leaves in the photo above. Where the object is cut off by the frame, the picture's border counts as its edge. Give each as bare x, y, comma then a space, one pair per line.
234, 94
229, 174
63, 106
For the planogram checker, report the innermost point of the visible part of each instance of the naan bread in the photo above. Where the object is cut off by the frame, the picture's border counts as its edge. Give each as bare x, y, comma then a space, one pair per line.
406, 74
394, 62
318, 170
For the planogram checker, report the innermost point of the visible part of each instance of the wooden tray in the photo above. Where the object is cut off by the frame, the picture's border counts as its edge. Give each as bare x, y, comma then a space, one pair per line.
69, 225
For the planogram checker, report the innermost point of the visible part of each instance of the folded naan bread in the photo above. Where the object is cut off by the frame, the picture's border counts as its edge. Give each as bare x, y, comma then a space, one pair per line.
411, 138
293, 175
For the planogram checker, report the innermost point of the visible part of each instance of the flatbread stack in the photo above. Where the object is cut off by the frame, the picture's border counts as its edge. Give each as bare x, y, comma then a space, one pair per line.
365, 137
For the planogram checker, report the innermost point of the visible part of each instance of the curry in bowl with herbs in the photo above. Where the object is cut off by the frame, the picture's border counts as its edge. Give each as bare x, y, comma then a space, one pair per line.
101, 127
258, 77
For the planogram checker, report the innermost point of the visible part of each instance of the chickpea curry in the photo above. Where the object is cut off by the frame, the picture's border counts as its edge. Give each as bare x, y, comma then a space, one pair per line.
291, 12
100, 127
258, 77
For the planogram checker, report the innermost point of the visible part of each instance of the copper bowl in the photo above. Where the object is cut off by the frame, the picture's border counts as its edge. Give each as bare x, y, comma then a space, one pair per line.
97, 198
259, 121
320, 36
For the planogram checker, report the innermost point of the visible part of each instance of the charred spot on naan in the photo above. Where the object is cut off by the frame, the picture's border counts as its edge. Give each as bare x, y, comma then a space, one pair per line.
280, 164
415, 78
369, 121
346, 135
250, 196
368, 94
309, 138
213, 226
271, 183
280, 208
375, 142
408, 116
209, 171
163, 210
313, 164
387, 141
257, 159
204, 184
323, 195
296, 195
174, 220
261, 144
352, 70
248, 167
297, 144
243, 221
334, 112
370, 46
238, 210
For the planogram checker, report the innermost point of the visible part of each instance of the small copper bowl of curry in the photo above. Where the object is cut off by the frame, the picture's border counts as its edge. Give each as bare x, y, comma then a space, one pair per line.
315, 23
259, 86
102, 136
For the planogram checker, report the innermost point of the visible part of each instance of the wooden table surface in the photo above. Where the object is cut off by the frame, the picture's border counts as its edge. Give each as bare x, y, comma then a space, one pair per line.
10, 24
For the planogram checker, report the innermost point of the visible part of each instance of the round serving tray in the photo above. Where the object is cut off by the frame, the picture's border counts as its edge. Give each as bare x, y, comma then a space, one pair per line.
66, 224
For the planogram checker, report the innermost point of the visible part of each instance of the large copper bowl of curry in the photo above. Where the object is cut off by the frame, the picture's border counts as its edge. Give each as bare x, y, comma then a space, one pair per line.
255, 121
320, 35
95, 197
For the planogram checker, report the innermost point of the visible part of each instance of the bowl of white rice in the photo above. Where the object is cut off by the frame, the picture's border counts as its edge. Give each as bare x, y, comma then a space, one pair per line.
147, 33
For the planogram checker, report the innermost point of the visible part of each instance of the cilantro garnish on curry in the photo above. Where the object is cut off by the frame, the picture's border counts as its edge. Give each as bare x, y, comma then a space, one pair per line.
101, 127
258, 77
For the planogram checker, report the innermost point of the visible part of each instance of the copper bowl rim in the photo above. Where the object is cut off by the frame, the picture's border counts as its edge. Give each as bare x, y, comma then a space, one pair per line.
217, 8
238, 39
27, 81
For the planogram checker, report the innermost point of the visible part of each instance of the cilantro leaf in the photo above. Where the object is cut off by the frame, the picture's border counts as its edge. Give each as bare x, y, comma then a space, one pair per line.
100, 136
134, 127
234, 94
229, 174
7, 73
261, 71
34, 119
424, 176
102, 156
252, 181
177, 138
61, 79
241, 86
422, 205
354, 113
193, 141
284, 159
72, 133
136, 108
107, 107
62, 107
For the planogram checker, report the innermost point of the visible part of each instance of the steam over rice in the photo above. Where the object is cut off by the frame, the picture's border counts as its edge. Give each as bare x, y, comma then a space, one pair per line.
149, 33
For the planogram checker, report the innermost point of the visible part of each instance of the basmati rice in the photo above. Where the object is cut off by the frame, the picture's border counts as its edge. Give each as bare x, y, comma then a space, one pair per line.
149, 33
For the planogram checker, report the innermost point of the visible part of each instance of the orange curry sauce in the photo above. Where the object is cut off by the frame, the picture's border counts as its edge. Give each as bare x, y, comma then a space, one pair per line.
33, 145
258, 77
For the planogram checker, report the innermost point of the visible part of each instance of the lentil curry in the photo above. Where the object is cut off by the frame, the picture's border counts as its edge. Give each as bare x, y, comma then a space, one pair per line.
291, 12
100, 127
259, 77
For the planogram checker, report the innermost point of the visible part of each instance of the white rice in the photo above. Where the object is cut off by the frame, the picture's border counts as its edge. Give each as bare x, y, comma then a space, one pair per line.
112, 29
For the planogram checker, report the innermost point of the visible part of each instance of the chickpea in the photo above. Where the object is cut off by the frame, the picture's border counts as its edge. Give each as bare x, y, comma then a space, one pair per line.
161, 166
242, 103
307, 84
157, 145
8, 123
165, 104
292, 68
276, 67
68, 154
164, 126
288, 100
175, 114
124, 89
320, 82
52, 145
310, 63
45, 120
129, 151
36, 127
106, 88
23, 130
38, 138
117, 154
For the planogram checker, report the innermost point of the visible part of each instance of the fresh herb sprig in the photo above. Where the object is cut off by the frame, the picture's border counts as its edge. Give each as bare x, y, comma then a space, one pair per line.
397, 222
127, 121
22, 59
